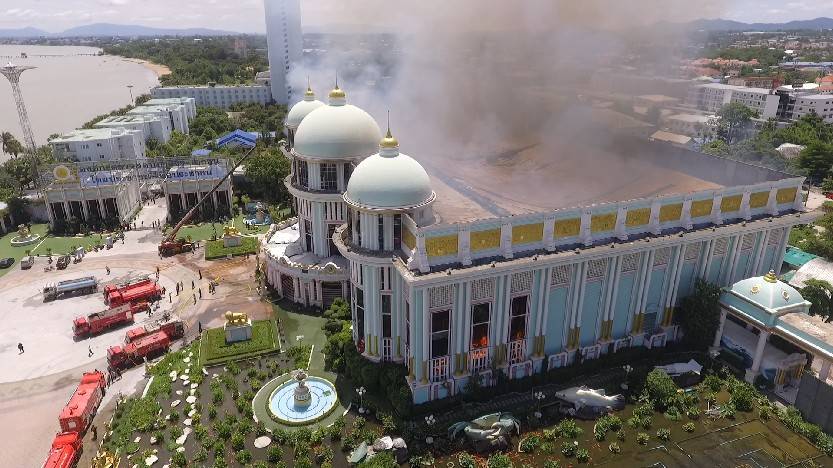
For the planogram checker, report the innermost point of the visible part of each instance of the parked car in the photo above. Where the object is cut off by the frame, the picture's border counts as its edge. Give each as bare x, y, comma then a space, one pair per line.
6, 262
27, 262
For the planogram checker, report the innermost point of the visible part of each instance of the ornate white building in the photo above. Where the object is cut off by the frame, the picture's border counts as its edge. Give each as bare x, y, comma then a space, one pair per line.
517, 261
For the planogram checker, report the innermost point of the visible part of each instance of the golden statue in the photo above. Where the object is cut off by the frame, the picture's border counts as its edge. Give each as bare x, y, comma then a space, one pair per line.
230, 231
105, 459
23, 231
236, 318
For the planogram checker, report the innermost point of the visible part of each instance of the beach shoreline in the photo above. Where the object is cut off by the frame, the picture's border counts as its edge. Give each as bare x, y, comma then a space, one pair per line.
159, 70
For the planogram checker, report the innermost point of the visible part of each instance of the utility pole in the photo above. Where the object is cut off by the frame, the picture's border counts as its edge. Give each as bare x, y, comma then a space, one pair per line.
12, 73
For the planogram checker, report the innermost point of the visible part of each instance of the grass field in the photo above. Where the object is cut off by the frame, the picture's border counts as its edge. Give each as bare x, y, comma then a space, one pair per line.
215, 249
214, 349
59, 245
205, 231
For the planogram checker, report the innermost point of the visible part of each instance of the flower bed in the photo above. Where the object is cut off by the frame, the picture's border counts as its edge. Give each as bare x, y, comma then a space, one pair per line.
215, 350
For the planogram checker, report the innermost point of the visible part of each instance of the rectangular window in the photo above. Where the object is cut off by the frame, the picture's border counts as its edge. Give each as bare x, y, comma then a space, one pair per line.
348, 171
381, 232
329, 177
359, 294
307, 235
331, 230
397, 232
517, 320
440, 321
386, 317
303, 174
358, 229
480, 325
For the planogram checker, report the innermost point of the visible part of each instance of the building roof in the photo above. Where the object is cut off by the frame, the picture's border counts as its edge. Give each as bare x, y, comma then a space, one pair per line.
302, 109
692, 118
201, 152
337, 131
89, 134
166, 101
238, 138
671, 137
797, 258
768, 293
814, 268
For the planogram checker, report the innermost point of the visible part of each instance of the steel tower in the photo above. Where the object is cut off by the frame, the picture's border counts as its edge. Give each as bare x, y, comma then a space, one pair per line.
12, 72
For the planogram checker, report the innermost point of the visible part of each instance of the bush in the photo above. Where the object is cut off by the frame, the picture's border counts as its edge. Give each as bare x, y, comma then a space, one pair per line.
688, 427
568, 429
550, 435
620, 435
743, 396
693, 413
663, 434
713, 383
178, 459
238, 441
530, 444
582, 455
243, 456
642, 438
614, 447
568, 449
219, 448
201, 455
464, 460
274, 454
660, 388
552, 464
499, 460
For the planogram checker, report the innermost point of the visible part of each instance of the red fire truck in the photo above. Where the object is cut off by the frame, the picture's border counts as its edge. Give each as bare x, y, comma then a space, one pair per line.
171, 328
82, 406
146, 290
66, 448
155, 343
98, 322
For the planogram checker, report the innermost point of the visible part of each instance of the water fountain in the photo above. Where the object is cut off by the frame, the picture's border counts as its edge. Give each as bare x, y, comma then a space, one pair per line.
303, 399
24, 237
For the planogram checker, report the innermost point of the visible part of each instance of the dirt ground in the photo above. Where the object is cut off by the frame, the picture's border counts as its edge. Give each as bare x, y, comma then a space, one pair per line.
35, 385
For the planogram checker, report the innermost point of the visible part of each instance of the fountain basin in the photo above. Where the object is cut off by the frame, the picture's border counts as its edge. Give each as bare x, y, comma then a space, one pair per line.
284, 407
18, 241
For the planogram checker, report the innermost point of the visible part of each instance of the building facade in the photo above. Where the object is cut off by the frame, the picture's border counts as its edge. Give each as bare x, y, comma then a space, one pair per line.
712, 96
185, 185
219, 96
454, 294
109, 197
285, 46
151, 126
99, 144
177, 114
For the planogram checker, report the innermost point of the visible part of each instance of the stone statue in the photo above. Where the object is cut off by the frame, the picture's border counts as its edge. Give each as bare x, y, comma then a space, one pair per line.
236, 318
23, 231
230, 231
489, 432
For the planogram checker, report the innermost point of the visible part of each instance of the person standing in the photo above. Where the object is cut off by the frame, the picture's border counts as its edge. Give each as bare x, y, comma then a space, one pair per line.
195, 299
20, 348
89, 351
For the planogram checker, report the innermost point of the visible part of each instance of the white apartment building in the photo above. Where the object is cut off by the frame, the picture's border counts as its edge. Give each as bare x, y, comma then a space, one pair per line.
216, 95
151, 126
691, 125
712, 96
99, 144
177, 114
189, 103
285, 46
821, 104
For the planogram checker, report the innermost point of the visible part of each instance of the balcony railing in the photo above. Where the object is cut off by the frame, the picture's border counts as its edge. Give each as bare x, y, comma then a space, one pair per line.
480, 359
517, 351
439, 369
387, 349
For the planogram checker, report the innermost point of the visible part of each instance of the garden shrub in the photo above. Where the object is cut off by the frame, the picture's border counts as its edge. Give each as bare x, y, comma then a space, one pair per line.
660, 388
743, 396
178, 459
464, 460
550, 434
582, 455
499, 460
688, 427
642, 438
552, 464
219, 448
200, 455
663, 434
238, 441
568, 449
274, 454
713, 383
569, 429
243, 456
614, 447
530, 444
620, 435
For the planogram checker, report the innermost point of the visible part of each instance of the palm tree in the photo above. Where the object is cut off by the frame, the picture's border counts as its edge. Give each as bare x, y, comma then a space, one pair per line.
6, 142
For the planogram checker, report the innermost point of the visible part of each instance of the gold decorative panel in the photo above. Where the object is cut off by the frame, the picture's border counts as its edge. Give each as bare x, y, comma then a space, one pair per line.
670, 212
701, 208
638, 217
441, 246
527, 233
758, 200
603, 222
408, 239
567, 228
786, 195
484, 240
731, 204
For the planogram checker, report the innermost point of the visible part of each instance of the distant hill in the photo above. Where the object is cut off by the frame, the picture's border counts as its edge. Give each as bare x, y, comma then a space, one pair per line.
23, 32
728, 25
108, 30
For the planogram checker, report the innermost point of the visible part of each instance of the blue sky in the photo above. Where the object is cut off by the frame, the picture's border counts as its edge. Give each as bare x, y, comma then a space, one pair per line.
247, 15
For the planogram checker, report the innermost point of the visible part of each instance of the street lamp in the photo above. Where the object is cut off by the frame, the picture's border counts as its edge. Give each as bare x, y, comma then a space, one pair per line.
130, 88
361, 391
539, 396
627, 368
429, 421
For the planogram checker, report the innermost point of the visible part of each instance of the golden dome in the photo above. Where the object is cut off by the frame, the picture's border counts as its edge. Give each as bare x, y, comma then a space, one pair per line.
389, 141
337, 93
770, 277
309, 93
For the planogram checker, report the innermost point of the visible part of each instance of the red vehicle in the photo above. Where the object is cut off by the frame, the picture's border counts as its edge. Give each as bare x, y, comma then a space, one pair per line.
171, 328
66, 448
82, 406
155, 343
145, 290
98, 322
109, 288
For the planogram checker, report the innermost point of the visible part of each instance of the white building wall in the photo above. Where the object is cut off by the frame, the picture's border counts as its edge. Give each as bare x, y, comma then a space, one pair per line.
221, 97
285, 44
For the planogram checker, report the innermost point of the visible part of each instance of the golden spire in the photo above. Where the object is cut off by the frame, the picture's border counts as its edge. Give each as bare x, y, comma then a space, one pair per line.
337, 93
389, 141
770, 277
309, 92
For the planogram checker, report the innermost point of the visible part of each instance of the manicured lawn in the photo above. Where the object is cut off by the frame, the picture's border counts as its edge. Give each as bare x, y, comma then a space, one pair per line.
215, 249
308, 329
205, 231
215, 351
59, 245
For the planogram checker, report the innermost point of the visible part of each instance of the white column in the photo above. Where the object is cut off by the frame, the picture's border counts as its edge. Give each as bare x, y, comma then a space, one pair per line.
654, 223
745, 210
464, 248
586, 234
549, 234
506, 240
621, 227
719, 334
686, 218
717, 215
824, 373
759, 356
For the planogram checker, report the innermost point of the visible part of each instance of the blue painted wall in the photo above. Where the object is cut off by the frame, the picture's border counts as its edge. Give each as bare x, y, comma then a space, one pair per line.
556, 315
590, 312
622, 307
687, 276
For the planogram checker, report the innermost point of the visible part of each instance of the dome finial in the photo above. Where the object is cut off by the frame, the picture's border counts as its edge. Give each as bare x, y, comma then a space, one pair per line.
770, 277
389, 142
309, 95
337, 95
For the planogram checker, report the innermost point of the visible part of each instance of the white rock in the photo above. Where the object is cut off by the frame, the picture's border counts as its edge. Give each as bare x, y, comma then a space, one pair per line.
181, 439
191, 399
137, 439
214, 376
262, 442
205, 372
193, 391
151, 460
194, 386
180, 449
186, 383
183, 377
187, 370
179, 392
187, 360
175, 403
173, 375
153, 440
187, 422
192, 413
167, 417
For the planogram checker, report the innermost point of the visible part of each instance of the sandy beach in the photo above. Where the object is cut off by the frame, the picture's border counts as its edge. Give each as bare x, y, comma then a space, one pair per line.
160, 70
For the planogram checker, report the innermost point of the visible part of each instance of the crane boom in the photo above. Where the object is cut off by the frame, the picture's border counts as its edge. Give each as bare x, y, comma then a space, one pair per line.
172, 235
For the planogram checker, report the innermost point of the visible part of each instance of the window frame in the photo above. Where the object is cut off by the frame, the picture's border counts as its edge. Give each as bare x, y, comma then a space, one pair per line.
446, 332
512, 316
473, 325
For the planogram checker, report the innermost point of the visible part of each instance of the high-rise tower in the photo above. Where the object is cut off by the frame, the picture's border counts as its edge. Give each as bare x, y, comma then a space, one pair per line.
285, 43
12, 72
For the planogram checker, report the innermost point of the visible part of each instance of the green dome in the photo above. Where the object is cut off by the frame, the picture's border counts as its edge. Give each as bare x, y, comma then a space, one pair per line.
768, 292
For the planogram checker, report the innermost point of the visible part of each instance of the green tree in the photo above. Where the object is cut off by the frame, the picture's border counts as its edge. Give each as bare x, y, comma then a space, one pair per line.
8, 143
20, 169
266, 170
820, 294
699, 315
816, 159
733, 118
660, 388
716, 148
